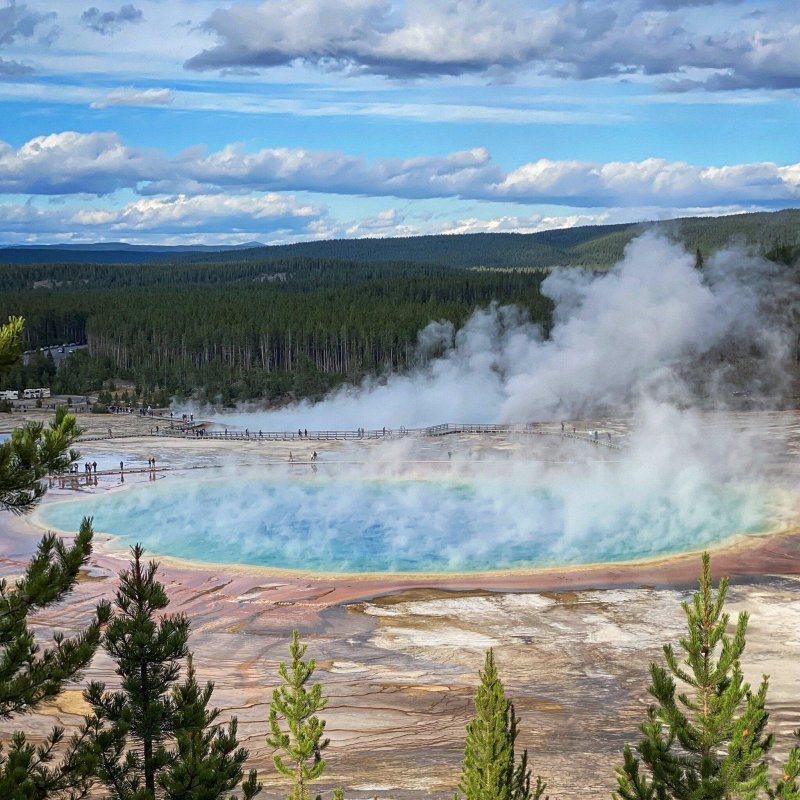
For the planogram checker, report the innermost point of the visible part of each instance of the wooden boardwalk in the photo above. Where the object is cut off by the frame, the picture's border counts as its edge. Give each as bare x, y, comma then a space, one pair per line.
198, 433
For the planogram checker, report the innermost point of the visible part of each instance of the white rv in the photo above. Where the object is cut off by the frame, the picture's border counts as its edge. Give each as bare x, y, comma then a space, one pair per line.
35, 394
9, 394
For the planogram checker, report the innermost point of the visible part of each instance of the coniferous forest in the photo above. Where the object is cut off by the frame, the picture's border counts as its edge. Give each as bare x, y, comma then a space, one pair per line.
245, 330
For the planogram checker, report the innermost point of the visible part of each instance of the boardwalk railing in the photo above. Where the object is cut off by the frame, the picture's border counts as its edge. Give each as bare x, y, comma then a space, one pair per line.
445, 429
280, 436
517, 428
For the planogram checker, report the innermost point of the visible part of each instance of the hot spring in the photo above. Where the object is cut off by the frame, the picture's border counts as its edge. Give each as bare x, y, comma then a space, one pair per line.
331, 525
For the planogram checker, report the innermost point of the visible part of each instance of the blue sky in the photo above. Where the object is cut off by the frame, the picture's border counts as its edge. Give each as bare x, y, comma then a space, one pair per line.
178, 121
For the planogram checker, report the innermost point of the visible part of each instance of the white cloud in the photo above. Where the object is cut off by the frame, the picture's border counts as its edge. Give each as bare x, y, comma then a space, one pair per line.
209, 212
282, 218
534, 223
100, 163
18, 23
131, 96
397, 222
13, 69
497, 40
71, 163
217, 217
653, 182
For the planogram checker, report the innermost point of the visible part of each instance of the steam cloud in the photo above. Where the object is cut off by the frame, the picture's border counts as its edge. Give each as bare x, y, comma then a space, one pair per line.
652, 327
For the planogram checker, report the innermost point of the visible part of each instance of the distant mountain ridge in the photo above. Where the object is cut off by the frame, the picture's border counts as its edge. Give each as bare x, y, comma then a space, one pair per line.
106, 252
592, 246
154, 248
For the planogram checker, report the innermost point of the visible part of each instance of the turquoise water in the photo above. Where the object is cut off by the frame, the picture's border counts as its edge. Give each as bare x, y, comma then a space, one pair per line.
408, 526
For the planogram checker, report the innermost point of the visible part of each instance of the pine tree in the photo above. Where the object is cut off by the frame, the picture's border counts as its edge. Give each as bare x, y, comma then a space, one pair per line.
30, 676
208, 761
131, 730
33, 450
707, 741
490, 770
300, 748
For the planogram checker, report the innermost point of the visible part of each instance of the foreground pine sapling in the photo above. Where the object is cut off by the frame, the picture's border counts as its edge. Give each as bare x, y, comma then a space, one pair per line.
706, 740
490, 770
208, 761
30, 675
296, 704
155, 737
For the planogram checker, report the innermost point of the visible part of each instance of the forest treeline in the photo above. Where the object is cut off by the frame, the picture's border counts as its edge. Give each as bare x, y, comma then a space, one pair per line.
240, 331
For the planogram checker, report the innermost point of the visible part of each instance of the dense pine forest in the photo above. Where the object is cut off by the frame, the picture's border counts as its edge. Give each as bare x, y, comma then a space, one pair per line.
280, 323
293, 328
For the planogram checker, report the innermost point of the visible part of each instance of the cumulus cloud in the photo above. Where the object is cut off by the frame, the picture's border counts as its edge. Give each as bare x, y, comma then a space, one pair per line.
650, 182
100, 163
410, 39
109, 22
270, 215
533, 223
209, 212
74, 163
397, 222
131, 96
571, 39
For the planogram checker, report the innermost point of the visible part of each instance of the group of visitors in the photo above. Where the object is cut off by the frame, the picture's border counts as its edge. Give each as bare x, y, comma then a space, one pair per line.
88, 468
595, 435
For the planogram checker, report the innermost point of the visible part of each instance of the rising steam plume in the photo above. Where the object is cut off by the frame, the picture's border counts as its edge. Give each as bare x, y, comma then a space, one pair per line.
653, 328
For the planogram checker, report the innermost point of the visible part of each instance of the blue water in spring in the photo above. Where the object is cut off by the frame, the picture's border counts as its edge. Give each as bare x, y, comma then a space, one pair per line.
339, 526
